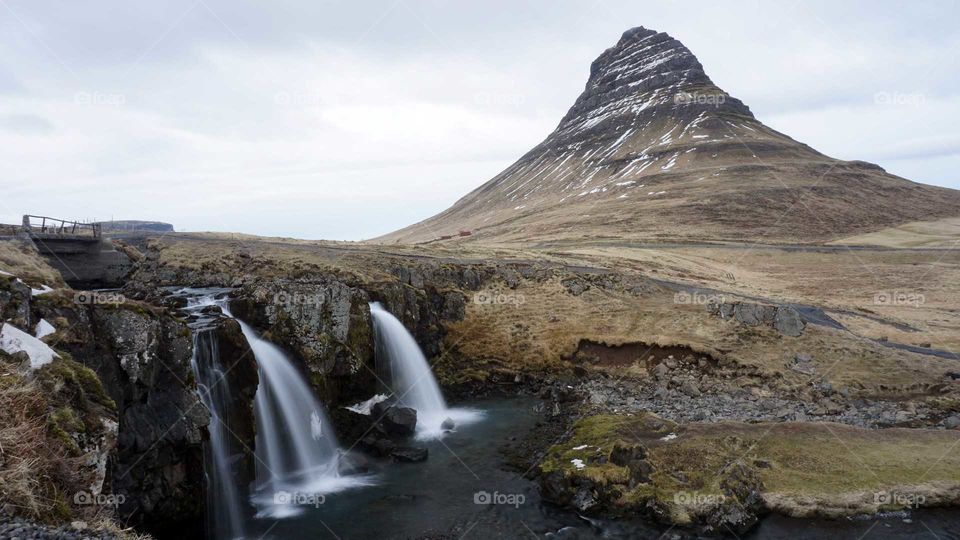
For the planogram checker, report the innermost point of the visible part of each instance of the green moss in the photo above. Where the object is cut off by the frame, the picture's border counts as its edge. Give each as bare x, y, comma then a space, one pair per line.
78, 383
804, 461
62, 422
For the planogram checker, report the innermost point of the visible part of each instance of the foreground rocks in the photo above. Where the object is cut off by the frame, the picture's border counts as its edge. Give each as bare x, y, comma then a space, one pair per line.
140, 358
18, 528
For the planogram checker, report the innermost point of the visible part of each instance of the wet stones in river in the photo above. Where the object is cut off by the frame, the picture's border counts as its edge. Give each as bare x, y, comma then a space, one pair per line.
448, 425
409, 454
377, 444
395, 420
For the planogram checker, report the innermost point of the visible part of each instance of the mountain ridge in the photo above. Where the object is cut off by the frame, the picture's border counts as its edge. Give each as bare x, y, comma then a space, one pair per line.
665, 153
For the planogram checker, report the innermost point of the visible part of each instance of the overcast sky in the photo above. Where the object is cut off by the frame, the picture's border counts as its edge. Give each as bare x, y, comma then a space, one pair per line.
346, 120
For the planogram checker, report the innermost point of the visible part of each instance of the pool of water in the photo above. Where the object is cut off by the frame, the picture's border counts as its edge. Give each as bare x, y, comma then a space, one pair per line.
463, 492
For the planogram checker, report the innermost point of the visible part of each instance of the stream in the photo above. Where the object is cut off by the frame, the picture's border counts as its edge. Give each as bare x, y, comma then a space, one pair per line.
436, 499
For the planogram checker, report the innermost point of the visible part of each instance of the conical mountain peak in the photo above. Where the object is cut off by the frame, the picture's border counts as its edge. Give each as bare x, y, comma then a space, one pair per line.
653, 149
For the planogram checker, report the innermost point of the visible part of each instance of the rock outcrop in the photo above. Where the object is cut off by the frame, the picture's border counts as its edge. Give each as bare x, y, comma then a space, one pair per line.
325, 324
142, 356
784, 319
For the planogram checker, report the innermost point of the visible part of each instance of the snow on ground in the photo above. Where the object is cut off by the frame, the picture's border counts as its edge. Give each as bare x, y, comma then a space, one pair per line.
43, 329
365, 407
42, 290
14, 340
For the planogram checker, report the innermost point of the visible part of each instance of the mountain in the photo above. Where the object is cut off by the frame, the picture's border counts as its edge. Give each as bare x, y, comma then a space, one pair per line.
653, 150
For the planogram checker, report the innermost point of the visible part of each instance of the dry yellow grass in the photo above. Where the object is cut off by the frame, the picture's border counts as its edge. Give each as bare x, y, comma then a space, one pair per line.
545, 324
940, 233
541, 323
27, 264
32, 465
917, 288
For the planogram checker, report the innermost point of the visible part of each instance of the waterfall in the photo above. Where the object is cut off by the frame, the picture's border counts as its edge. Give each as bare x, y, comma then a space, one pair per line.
297, 451
225, 515
297, 454
410, 379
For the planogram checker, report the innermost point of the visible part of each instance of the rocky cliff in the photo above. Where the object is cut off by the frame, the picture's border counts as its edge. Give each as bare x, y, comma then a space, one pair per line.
133, 360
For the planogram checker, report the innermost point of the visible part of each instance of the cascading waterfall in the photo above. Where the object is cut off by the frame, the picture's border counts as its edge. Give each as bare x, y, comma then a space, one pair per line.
411, 381
297, 451
225, 515
297, 454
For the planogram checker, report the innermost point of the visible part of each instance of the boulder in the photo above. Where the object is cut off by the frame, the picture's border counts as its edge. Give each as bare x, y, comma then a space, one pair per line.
788, 322
952, 422
691, 389
395, 420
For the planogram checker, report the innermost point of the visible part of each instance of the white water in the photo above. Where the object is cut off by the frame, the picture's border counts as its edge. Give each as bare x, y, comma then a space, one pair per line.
411, 380
297, 451
226, 512
297, 454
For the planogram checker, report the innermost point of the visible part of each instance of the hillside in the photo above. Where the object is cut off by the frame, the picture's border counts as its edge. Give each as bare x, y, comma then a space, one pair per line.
653, 150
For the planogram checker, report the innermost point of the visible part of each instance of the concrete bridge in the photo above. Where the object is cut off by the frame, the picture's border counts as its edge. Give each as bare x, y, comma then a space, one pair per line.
79, 251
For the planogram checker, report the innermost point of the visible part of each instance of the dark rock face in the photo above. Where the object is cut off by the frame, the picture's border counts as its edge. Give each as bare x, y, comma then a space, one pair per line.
326, 324
644, 61
15, 302
143, 358
743, 505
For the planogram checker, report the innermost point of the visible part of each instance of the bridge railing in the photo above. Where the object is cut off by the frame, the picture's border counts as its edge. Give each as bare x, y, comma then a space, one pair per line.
49, 225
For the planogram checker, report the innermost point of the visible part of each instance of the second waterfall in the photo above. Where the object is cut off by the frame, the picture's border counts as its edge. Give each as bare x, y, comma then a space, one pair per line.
410, 379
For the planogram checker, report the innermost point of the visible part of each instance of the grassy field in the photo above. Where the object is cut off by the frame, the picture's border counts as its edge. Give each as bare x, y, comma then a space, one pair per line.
803, 469
27, 264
